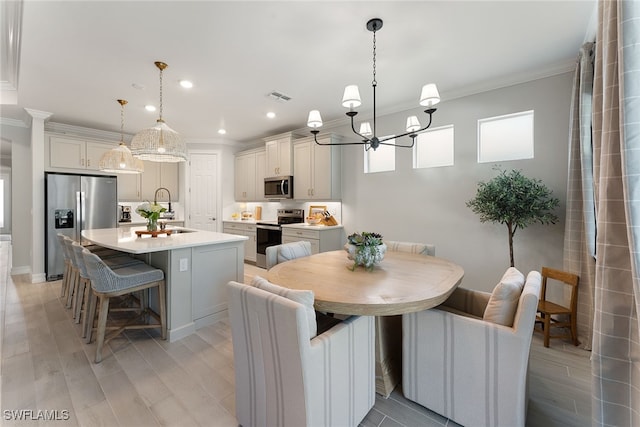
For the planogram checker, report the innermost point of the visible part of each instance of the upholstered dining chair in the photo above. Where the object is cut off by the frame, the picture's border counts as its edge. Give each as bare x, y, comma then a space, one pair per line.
284, 377
414, 248
467, 359
286, 251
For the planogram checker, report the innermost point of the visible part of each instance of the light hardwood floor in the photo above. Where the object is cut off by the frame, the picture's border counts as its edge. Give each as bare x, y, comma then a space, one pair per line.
144, 380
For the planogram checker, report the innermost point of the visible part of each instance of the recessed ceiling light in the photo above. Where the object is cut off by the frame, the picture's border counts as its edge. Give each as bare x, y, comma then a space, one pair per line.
137, 86
222, 131
186, 84
150, 108
271, 115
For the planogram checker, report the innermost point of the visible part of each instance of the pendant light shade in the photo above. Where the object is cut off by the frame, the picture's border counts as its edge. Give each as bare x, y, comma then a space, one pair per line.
120, 159
159, 143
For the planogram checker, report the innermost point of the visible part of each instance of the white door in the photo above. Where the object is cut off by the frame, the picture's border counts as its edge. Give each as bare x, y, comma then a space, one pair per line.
203, 182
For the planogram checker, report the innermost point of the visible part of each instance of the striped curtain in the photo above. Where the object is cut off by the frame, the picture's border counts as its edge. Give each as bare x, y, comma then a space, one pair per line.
580, 224
616, 161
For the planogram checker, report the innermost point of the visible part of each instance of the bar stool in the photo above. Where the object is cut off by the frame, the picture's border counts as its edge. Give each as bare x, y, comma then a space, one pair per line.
74, 273
107, 283
83, 290
67, 265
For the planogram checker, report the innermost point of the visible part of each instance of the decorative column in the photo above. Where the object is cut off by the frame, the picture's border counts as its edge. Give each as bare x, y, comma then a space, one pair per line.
37, 194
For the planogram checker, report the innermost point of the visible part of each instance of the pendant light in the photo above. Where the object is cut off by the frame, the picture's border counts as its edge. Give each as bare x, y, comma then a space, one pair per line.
120, 159
429, 97
159, 143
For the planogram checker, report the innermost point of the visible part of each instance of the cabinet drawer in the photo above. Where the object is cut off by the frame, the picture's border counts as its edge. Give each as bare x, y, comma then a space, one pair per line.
239, 227
298, 233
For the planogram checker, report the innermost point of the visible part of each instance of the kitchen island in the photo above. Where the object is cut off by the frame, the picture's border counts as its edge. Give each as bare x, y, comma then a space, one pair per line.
196, 265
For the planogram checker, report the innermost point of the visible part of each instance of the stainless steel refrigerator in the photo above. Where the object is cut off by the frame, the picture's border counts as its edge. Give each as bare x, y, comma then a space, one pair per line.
75, 203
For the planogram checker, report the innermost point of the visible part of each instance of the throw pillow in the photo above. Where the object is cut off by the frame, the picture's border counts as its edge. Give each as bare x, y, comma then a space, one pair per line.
306, 298
503, 302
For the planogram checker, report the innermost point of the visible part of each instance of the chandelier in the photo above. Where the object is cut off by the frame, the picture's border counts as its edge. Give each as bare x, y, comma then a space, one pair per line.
159, 143
351, 100
119, 159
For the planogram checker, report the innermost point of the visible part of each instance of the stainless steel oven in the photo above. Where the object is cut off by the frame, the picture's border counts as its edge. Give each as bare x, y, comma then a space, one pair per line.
270, 233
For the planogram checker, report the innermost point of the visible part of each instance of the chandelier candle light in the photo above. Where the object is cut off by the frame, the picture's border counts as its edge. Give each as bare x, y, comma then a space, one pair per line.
351, 99
159, 143
120, 159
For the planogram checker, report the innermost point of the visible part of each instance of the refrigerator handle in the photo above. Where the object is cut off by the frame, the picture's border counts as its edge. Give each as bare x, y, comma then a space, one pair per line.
79, 215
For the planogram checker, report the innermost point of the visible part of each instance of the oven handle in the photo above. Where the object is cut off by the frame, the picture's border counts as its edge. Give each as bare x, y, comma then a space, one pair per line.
269, 227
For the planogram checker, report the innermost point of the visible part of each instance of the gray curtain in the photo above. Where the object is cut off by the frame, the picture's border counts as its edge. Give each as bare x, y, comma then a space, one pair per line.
580, 224
616, 172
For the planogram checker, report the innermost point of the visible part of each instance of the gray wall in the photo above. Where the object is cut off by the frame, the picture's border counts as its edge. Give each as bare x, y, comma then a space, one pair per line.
428, 205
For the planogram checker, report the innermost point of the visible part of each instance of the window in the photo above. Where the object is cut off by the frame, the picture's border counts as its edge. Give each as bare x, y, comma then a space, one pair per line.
508, 137
434, 148
382, 159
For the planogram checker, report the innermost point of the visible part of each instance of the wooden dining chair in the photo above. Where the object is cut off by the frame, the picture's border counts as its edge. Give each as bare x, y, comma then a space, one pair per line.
553, 315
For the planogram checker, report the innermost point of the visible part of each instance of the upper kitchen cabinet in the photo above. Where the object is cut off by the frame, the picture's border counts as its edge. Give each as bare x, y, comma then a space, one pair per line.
245, 176
70, 153
278, 154
160, 175
317, 169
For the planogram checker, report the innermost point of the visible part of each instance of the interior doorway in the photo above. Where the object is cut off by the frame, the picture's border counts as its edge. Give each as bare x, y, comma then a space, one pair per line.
203, 190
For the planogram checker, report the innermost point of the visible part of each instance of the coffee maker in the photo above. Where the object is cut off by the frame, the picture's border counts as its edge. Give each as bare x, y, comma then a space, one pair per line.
125, 213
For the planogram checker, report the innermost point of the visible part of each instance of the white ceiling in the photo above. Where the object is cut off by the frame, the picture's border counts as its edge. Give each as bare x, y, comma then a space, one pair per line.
78, 57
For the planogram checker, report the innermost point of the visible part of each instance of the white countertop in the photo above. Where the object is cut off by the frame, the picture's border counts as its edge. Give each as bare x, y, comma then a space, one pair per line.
138, 223
306, 226
126, 240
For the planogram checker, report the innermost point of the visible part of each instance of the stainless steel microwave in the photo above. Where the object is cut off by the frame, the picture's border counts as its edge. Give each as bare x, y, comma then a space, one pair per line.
278, 187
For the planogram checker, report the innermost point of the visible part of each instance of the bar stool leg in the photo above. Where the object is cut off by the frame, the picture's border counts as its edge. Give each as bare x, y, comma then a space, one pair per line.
102, 326
162, 296
80, 299
91, 317
73, 284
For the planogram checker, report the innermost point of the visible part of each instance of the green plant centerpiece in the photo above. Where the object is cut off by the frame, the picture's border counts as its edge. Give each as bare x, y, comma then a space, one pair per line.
150, 211
365, 249
514, 200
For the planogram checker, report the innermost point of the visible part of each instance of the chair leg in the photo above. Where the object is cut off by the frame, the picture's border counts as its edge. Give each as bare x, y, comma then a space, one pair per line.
162, 296
65, 280
80, 299
73, 283
574, 330
91, 317
547, 328
102, 326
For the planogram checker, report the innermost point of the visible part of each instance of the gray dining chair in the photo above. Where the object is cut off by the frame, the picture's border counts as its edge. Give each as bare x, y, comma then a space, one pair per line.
286, 251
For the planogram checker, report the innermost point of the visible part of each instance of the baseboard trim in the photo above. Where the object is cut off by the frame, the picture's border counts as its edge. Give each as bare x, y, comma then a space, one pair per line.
38, 278
22, 269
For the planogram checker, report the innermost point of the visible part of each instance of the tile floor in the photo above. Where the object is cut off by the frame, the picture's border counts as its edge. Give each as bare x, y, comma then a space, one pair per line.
144, 380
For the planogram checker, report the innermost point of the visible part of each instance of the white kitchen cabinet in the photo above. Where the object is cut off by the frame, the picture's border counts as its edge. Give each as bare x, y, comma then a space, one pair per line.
245, 176
261, 173
129, 187
317, 169
71, 153
156, 175
322, 239
243, 229
279, 155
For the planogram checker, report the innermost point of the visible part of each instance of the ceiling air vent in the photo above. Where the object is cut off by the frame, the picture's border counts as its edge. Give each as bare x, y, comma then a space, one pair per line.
277, 96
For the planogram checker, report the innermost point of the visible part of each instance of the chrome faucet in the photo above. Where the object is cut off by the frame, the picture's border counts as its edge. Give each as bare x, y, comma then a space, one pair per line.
155, 197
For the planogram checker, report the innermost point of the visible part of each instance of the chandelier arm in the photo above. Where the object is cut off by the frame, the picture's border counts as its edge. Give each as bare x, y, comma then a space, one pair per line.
353, 128
333, 143
415, 132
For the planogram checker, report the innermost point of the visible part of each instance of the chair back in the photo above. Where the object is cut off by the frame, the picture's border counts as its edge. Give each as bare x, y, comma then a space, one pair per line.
286, 251
525, 315
268, 335
77, 253
410, 247
568, 279
69, 248
63, 244
103, 279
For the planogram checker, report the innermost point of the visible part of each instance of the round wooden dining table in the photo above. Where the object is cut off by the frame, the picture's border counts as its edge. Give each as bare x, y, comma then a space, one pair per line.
401, 283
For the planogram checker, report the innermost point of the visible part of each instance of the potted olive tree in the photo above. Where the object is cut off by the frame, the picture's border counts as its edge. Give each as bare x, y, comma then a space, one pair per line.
514, 200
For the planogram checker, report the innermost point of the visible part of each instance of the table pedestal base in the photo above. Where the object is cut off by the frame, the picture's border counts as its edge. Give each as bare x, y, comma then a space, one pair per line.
388, 348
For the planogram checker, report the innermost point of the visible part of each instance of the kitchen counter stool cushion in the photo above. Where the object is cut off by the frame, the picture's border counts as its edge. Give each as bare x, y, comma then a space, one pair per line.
503, 302
306, 298
107, 283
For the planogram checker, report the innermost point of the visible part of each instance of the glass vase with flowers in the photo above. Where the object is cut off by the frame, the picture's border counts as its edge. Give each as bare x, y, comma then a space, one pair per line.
150, 211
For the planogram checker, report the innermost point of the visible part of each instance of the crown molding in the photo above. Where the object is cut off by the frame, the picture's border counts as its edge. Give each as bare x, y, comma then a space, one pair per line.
65, 129
13, 122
